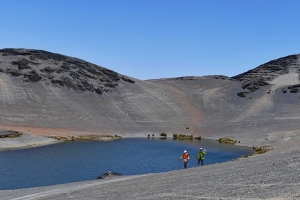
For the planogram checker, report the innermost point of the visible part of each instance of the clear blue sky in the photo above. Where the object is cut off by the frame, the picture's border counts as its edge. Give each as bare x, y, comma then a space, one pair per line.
149, 39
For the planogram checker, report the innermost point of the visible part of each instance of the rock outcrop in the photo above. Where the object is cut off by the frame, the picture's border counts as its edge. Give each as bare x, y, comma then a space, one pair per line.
262, 75
60, 70
10, 134
108, 174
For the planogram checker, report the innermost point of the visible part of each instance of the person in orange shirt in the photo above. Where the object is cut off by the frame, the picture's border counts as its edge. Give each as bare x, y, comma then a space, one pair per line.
185, 156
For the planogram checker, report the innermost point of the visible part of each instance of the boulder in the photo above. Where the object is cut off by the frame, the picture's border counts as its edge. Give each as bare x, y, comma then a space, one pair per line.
109, 174
10, 134
227, 140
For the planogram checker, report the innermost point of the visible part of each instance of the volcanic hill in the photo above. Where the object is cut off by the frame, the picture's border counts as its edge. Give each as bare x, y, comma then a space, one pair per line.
52, 94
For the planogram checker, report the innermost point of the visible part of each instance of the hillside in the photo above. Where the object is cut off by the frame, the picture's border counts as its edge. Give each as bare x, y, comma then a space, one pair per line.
51, 94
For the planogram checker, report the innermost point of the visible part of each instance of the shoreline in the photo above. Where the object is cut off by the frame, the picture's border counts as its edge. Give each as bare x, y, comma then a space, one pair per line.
31, 141
34, 137
27, 140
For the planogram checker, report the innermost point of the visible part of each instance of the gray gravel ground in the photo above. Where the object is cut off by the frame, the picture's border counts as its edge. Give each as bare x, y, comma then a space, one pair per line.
273, 175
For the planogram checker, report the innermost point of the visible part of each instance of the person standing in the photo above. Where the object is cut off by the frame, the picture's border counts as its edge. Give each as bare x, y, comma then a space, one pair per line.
185, 156
200, 156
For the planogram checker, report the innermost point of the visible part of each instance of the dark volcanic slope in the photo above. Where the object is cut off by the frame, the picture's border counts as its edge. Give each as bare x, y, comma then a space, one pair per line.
261, 76
52, 91
72, 73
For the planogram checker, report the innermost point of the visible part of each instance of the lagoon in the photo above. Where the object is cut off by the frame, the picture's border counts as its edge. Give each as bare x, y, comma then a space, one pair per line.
85, 160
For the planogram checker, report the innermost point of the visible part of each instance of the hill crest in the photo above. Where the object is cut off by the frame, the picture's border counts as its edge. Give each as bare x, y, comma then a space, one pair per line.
51, 68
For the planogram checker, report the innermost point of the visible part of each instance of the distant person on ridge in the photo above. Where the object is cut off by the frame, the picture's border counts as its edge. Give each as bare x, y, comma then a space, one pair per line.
185, 156
200, 156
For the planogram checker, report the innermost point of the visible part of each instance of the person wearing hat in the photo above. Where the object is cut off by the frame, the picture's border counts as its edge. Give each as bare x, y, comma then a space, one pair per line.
185, 156
200, 156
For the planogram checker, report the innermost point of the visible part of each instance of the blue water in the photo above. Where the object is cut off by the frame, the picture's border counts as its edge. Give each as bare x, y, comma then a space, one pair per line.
86, 160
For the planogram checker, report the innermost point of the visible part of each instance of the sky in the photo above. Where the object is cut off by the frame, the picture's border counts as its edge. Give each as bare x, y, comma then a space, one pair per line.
151, 39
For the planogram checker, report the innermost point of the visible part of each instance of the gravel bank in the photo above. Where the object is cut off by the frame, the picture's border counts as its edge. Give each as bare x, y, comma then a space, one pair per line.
25, 141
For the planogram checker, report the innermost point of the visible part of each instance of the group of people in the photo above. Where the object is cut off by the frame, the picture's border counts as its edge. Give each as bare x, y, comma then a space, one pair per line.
200, 157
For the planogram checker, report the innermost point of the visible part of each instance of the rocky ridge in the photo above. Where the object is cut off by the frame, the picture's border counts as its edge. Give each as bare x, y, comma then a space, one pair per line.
260, 76
51, 68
